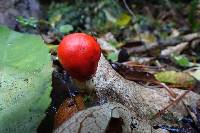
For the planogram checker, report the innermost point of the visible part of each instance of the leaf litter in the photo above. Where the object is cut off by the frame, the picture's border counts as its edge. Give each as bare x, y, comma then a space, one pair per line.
147, 49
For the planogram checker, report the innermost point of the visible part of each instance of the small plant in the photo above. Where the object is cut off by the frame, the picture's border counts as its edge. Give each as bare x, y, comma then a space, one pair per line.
32, 22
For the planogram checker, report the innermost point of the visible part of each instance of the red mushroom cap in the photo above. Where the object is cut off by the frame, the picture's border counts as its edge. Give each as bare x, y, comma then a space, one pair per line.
79, 54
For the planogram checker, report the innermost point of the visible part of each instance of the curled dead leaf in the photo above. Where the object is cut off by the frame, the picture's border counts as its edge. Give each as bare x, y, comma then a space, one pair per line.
67, 109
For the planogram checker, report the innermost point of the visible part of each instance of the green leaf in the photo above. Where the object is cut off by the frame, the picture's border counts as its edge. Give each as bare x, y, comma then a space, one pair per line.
177, 79
32, 22
112, 56
181, 60
113, 43
25, 81
123, 20
66, 28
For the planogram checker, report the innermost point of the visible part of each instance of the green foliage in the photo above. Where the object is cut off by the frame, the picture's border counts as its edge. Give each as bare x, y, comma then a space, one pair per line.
25, 81
87, 99
192, 17
113, 43
143, 22
123, 20
88, 15
32, 22
66, 28
178, 79
181, 60
112, 56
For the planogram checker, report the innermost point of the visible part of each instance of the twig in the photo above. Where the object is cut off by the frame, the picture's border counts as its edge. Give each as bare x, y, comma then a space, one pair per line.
169, 90
133, 15
128, 8
172, 103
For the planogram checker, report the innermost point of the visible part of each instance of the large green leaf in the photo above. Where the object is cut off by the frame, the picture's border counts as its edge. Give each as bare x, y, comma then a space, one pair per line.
25, 81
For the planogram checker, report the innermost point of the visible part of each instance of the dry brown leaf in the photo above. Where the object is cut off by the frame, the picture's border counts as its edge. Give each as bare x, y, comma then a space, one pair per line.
67, 109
